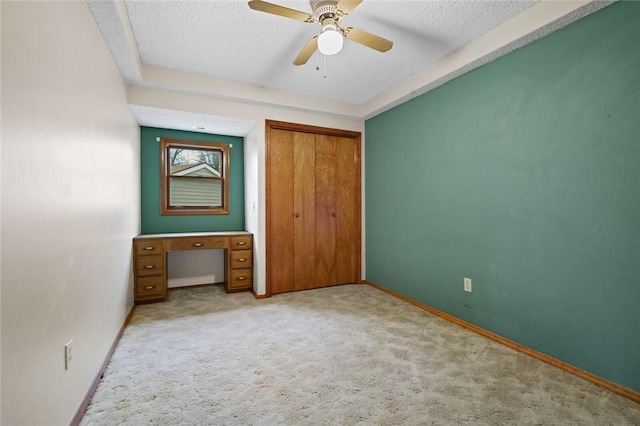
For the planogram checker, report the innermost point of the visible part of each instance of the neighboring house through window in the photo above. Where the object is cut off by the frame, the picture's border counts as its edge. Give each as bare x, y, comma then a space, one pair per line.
194, 177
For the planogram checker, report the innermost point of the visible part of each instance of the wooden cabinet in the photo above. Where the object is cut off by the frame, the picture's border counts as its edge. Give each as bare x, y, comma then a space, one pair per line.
198, 243
150, 254
149, 265
313, 196
240, 264
150, 272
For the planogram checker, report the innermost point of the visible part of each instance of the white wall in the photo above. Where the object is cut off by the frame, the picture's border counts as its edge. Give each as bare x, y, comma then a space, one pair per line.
194, 267
251, 218
70, 206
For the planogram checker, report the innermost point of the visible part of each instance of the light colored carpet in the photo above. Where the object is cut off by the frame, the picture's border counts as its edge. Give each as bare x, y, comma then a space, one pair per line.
347, 355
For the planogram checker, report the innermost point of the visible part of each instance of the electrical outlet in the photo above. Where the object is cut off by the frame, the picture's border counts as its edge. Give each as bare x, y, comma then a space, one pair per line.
467, 284
68, 354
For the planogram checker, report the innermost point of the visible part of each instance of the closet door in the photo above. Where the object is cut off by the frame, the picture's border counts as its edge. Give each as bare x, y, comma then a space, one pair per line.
304, 201
313, 207
292, 211
347, 184
325, 211
281, 225
337, 180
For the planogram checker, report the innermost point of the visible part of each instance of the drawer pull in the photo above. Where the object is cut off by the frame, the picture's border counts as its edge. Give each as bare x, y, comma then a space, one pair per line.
150, 287
149, 248
197, 245
150, 266
241, 243
242, 260
241, 278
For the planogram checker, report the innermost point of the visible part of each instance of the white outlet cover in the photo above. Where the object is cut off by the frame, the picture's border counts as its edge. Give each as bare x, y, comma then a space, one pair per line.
68, 354
467, 285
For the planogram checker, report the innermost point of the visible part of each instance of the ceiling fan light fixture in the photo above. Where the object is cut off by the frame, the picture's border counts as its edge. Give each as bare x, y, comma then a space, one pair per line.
327, 13
330, 40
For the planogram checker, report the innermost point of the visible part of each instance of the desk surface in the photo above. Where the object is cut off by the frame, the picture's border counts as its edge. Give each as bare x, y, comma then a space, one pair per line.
193, 234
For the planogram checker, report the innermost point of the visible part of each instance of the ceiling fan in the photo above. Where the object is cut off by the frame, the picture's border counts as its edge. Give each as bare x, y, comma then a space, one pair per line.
328, 14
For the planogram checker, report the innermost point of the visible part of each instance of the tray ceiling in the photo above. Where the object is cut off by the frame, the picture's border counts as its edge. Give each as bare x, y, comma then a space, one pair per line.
227, 41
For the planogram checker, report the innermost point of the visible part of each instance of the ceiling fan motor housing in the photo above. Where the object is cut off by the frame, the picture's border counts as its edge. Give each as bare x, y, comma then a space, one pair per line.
323, 9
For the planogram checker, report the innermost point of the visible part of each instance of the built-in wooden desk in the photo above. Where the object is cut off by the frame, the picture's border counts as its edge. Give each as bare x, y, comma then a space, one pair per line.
150, 260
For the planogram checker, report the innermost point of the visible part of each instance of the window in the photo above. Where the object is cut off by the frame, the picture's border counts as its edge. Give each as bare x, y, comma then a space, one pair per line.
195, 177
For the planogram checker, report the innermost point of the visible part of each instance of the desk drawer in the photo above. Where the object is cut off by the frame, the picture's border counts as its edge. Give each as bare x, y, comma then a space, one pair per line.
241, 259
202, 243
241, 278
149, 265
150, 288
145, 247
241, 243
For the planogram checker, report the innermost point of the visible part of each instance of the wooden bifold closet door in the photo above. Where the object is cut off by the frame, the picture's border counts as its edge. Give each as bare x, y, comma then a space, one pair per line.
313, 207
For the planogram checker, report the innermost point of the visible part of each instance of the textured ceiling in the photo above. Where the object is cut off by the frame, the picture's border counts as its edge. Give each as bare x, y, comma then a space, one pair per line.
225, 50
227, 39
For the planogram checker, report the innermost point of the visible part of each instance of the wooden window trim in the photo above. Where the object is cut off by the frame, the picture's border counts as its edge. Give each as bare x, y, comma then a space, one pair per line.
165, 175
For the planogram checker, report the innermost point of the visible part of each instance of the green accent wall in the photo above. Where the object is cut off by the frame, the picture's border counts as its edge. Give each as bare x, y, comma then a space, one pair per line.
152, 222
523, 175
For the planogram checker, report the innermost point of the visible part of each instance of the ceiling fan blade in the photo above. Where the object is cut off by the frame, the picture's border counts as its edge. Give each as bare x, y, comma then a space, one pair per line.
274, 9
367, 39
344, 7
307, 51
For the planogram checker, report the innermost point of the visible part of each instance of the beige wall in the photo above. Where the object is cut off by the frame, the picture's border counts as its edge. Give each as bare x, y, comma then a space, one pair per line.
70, 198
70, 206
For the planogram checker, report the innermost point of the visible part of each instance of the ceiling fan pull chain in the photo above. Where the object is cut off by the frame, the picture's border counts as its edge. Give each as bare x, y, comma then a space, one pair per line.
324, 67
